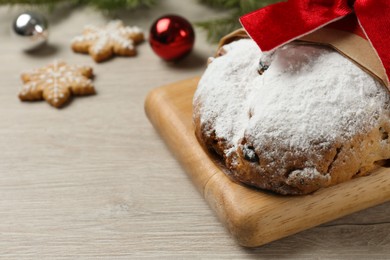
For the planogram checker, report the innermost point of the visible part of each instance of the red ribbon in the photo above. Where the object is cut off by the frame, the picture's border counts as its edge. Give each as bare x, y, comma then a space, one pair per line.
280, 23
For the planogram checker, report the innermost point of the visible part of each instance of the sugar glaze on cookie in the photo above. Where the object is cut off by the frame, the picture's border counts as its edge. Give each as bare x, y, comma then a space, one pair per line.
56, 82
102, 42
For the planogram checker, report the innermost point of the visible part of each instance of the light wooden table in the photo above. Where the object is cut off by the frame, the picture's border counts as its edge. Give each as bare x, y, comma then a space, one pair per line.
94, 180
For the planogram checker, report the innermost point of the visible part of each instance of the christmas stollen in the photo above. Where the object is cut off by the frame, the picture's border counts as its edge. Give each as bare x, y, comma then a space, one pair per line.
318, 116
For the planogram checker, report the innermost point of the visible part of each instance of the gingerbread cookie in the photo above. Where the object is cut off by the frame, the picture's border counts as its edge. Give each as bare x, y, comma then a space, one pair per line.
103, 42
56, 83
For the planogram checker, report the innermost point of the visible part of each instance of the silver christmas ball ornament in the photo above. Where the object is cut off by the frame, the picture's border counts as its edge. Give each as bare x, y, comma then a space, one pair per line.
31, 30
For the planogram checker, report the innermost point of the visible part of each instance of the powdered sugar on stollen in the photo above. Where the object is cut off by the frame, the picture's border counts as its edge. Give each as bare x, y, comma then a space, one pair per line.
224, 92
308, 94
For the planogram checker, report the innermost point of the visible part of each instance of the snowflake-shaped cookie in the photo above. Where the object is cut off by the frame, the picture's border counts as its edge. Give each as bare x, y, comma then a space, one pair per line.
56, 83
103, 42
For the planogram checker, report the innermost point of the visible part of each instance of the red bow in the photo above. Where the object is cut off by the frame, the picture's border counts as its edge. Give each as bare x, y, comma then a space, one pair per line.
280, 23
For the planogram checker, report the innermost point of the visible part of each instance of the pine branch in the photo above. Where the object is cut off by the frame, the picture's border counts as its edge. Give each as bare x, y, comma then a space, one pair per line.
106, 5
247, 6
222, 4
217, 28
111, 5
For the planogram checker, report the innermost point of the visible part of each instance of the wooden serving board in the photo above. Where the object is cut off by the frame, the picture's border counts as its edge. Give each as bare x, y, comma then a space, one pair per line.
253, 217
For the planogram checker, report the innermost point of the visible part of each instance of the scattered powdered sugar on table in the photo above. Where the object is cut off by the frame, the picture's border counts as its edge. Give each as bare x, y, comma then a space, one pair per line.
308, 94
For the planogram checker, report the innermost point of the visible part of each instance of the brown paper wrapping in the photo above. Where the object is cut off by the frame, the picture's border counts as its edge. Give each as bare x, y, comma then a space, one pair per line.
353, 47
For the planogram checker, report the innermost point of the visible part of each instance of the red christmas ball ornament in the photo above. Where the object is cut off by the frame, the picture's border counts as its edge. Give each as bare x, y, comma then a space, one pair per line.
171, 37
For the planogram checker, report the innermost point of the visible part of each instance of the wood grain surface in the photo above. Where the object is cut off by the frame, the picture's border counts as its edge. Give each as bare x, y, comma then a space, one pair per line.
94, 180
253, 217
